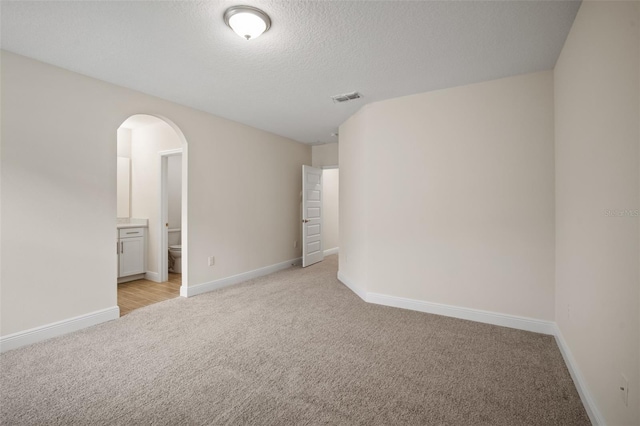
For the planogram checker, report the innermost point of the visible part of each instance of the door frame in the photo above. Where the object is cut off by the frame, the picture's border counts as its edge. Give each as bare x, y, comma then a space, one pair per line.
163, 208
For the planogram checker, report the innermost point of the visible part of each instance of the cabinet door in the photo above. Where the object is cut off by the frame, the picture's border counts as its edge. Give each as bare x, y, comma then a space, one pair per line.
131, 256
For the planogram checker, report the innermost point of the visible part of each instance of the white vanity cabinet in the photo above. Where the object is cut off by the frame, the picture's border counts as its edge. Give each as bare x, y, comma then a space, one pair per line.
131, 252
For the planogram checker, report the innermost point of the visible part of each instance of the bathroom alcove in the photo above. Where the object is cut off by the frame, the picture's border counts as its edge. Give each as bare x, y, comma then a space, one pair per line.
168, 141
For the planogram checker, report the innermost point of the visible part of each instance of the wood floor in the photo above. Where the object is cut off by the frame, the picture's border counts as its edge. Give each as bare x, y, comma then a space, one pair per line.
139, 293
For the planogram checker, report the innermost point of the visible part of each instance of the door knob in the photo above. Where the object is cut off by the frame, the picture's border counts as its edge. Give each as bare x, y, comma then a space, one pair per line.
305, 220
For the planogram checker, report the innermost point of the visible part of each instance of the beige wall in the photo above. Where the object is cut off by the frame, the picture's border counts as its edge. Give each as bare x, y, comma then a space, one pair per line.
597, 196
123, 188
59, 192
123, 151
325, 155
330, 194
146, 143
352, 205
123, 143
447, 197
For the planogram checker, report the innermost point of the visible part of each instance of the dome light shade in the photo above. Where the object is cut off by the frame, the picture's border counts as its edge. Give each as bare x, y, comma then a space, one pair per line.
248, 22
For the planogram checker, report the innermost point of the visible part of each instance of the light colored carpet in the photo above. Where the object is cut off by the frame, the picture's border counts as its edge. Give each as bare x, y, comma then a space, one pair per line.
295, 347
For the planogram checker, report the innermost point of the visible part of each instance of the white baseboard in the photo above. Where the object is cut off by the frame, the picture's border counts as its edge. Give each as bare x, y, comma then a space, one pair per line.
236, 279
487, 317
152, 276
38, 334
477, 315
362, 294
578, 379
331, 251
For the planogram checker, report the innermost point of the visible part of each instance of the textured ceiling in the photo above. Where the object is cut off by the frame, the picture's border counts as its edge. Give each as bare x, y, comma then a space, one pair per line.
282, 82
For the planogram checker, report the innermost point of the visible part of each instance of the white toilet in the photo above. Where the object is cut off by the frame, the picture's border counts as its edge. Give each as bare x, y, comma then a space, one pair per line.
175, 251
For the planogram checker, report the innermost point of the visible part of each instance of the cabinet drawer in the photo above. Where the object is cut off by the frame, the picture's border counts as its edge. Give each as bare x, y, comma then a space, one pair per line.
130, 232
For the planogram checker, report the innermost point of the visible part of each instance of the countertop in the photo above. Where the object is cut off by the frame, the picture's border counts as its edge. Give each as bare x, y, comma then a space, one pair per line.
132, 223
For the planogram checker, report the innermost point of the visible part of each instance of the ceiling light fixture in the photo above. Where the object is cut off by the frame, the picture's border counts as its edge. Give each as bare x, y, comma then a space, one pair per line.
248, 22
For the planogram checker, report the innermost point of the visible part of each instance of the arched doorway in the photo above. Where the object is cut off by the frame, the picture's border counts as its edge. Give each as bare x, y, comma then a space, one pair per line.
152, 211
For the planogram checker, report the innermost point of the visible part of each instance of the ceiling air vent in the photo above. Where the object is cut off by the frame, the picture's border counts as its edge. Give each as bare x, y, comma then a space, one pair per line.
346, 97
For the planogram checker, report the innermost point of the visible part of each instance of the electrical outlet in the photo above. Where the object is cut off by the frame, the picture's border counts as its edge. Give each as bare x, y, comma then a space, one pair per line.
624, 389
568, 311
295, 244
212, 260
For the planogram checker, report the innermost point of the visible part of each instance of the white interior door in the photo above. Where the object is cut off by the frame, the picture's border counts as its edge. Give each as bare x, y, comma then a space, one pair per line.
312, 251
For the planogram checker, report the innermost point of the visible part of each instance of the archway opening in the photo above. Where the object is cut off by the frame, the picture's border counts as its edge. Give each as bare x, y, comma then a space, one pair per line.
152, 208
